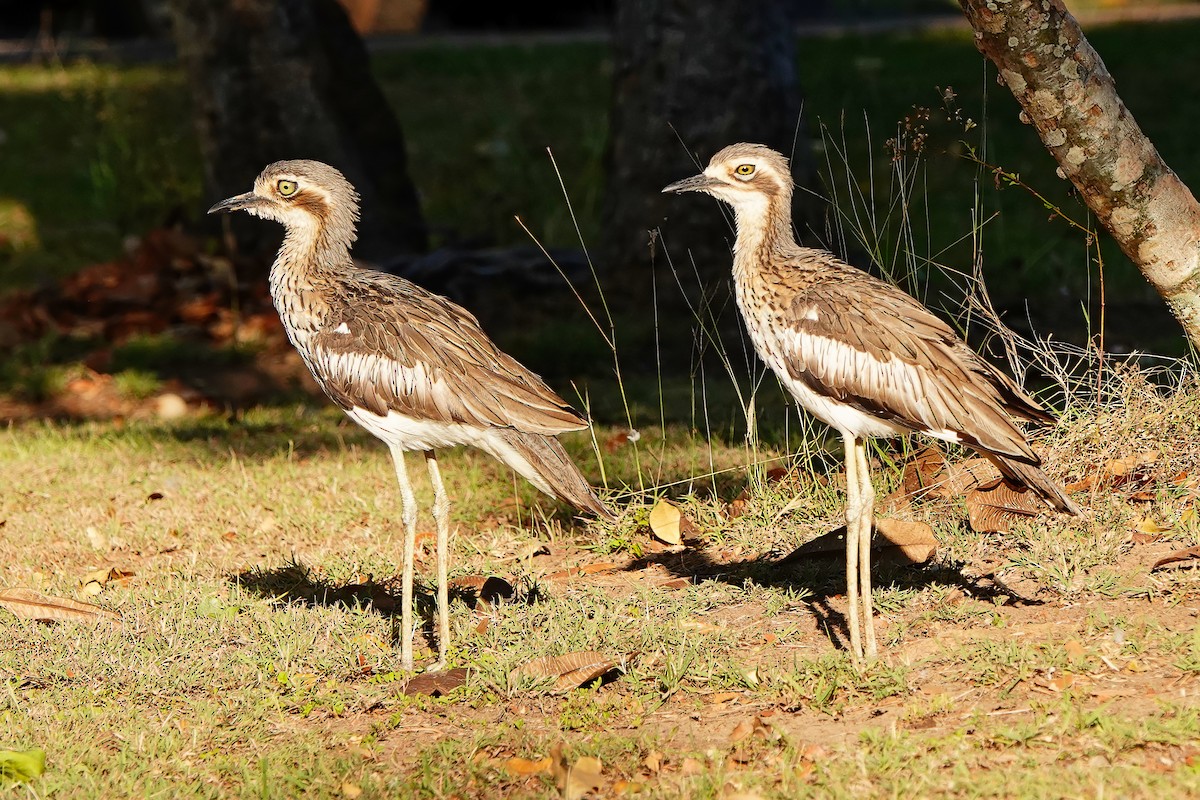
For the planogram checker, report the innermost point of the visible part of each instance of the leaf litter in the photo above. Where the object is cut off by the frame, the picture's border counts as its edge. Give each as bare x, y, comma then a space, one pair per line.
28, 604
571, 670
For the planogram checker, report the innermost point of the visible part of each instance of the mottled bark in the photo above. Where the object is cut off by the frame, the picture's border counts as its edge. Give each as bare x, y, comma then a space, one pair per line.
1071, 99
281, 79
691, 76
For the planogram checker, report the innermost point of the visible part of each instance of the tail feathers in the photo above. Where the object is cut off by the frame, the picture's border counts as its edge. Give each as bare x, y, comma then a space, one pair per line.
542, 461
1032, 476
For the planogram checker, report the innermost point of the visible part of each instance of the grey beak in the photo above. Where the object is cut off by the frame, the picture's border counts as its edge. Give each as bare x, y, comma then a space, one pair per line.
236, 203
696, 183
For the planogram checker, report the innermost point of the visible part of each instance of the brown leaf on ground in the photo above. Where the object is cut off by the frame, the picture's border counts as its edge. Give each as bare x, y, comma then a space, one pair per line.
736, 508
666, 522
1120, 467
578, 779
720, 698
676, 583
436, 684
522, 767
580, 571
958, 479
28, 604
921, 471
905, 541
570, 671
584, 776
1118, 471
94, 582
776, 474
995, 508
1178, 558
752, 727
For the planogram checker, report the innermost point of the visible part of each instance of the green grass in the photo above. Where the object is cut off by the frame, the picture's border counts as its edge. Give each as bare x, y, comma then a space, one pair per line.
251, 661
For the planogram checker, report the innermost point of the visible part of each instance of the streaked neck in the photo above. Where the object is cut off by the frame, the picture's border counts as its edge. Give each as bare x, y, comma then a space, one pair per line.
763, 230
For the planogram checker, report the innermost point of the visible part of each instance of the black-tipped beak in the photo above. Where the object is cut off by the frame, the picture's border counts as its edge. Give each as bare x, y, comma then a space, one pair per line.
696, 183
237, 203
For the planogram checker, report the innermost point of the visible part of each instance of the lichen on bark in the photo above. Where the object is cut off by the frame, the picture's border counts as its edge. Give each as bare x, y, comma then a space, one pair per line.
1070, 98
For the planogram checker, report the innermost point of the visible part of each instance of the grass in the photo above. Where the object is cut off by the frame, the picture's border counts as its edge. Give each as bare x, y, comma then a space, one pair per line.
252, 662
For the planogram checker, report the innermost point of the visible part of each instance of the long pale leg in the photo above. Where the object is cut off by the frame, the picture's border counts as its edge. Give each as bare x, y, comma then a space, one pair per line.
409, 516
866, 526
853, 542
441, 515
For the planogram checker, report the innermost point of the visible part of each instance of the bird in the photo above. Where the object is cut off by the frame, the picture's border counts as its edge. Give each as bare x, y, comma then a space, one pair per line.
411, 367
861, 355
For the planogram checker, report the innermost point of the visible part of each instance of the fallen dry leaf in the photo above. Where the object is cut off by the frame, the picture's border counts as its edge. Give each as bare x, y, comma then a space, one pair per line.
994, 508
958, 479
666, 522
584, 776
653, 761
580, 571
1177, 558
570, 671
1061, 682
28, 604
736, 508
905, 541
1120, 467
719, 698
575, 780
1118, 471
521, 767
920, 472
436, 684
742, 730
94, 582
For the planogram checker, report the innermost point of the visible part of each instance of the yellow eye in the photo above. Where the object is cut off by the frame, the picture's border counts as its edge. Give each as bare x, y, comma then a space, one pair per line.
745, 170
286, 188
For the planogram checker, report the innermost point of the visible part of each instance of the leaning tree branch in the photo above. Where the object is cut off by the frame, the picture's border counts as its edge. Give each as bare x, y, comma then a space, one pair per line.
1069, 96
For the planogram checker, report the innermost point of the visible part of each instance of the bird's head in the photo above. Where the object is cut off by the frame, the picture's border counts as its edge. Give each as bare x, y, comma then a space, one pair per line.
747, 176
307, 197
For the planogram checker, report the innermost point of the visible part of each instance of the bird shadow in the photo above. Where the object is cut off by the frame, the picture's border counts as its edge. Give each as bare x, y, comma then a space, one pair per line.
295, 584
819, 579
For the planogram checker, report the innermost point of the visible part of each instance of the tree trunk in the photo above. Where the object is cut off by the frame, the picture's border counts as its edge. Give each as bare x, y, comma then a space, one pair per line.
691, 76
282, 79
1070, 98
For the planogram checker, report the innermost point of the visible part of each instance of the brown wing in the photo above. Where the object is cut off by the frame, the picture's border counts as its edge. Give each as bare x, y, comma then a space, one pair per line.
390, 345
865, 342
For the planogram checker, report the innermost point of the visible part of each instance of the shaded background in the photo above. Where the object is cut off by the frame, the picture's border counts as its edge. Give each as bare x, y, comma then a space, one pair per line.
111, 276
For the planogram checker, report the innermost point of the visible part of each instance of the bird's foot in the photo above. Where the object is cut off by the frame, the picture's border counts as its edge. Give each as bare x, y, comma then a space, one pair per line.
437, 666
